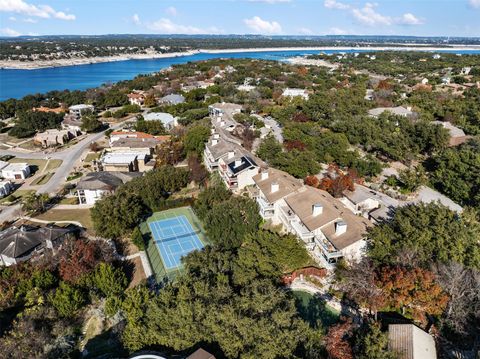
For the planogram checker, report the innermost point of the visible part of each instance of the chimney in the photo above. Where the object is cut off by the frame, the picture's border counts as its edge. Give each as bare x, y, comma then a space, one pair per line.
216, 135
214, 142
275, 187
222, 123
264, 175
409, 108
317, 209
340, 228
238, 163
212, 131
231, 154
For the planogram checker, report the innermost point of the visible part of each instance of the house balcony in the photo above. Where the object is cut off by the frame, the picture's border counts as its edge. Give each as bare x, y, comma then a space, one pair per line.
327, 249
302, 232
266, 209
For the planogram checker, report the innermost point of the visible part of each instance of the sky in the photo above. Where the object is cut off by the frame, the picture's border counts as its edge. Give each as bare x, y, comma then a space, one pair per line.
268, 17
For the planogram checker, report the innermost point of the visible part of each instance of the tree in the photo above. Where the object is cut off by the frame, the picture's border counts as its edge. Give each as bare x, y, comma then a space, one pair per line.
150, 100
198, 173
209, 197
337, 341
137, 239
228, 222
67, 300
195, 139
78, 258
151, 127
29, 122
412, 291
374, 344
114, 216
110, 281
433, 232
90, 123
265, 254
412, 178
269, 149
35, 203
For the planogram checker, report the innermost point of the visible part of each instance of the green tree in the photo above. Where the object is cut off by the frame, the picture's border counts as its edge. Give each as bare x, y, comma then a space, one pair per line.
137, 239
67, 300
90, 123
373, 344
195, 139
35, 203
228, 222
430, 232
110, 281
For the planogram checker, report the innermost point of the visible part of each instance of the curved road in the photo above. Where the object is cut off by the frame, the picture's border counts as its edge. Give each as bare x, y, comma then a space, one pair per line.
69, 157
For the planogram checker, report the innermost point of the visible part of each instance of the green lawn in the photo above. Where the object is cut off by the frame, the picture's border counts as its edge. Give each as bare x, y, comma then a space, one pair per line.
79, 215
17, 195
41, 165
42, 179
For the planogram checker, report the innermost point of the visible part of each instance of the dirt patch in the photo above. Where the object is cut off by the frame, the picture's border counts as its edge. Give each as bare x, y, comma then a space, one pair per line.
137, 274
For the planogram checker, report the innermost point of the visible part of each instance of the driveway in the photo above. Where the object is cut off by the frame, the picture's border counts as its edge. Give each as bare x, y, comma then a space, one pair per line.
69, 157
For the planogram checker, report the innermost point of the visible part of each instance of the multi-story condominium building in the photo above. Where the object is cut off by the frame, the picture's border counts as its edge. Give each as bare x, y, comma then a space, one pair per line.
237, 170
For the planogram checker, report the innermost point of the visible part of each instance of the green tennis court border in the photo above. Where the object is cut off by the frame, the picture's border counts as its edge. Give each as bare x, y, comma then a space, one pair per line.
162, 274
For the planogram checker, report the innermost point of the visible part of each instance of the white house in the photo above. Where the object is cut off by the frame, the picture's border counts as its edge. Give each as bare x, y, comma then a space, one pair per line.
399, 111
293, 92
136, 98
16, 171
237, 170
168, 120
328, 229
410, 342
96, 185
215, 149
272, 186
6, 188
224, 108
78, 110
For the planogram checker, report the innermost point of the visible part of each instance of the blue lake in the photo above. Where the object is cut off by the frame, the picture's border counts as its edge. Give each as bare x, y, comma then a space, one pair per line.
18, 83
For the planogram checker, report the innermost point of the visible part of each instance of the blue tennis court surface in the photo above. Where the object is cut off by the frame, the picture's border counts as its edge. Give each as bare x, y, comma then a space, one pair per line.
175, 238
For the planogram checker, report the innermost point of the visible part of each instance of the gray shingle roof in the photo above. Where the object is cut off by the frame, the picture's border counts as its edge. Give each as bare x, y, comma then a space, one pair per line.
108, 181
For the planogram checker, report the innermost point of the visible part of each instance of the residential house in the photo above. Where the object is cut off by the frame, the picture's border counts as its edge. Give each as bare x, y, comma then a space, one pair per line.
272, 186
78, 111
72, 124
16, 171
410, 342
457, 136
237, 170
200, 354
293, 92
361, 200
399, 111
122, 162
329, 230
19, 244
53, 137
136, 145
215, 149
116, 135
169, 122
6, 187
136, 98
96, 185
172, 99
224, 108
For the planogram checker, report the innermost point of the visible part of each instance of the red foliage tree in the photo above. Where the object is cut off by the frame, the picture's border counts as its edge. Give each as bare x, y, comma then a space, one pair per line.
294, 144
78, 258
337, 341
413, 291
198, 173
300, 117
312, 181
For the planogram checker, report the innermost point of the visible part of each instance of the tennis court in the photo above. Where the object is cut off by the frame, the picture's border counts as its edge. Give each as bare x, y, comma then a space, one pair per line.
173, 234
175, 238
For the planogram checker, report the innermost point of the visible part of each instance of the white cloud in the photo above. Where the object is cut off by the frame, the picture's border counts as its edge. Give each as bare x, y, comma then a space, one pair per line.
136, 19
333, 4
30, 20
261, 26
12, 18
271, 1
305, 31
336, 31
368, 15
474, 3
43, 11
9, 32
171, 10
167, 26
409, 19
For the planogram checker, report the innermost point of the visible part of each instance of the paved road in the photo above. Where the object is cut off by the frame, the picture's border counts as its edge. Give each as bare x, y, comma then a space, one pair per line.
69, 157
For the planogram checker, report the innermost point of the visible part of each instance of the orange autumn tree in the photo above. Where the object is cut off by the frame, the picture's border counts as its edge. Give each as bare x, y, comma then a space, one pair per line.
412, 291
337, 181
337, 341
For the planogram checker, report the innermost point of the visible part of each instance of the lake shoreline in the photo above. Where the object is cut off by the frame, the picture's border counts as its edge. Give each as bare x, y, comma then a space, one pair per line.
42, 64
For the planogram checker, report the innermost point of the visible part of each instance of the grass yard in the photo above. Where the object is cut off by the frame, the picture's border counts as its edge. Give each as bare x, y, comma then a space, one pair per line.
42, 179
79, 215
17, 195
42, 165
92, 156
